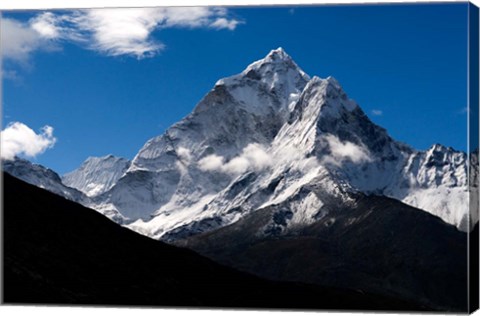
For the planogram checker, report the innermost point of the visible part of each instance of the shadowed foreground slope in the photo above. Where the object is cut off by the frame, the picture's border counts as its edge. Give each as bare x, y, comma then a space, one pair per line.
58, 252
377, 245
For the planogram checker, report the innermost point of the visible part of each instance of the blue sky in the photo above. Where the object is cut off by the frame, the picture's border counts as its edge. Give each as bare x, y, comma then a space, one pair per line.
405, 65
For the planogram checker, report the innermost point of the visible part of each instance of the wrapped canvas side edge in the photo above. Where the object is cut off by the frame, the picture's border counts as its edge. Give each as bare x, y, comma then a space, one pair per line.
473, 145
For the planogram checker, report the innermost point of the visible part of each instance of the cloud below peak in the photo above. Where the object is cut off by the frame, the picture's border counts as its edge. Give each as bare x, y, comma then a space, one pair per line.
342, 151
19, 139
254, 157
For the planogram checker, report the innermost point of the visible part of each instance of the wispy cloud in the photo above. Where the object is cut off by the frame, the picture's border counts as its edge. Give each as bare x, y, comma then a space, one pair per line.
19, 139
377, 112
253, 157
46, 25
112, 32
9, 74
211, 163
19, 40
346, 151
224, 23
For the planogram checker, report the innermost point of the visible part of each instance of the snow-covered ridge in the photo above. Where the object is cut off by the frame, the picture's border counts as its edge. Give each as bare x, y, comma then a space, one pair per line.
49, 180
277, 73
97, 174
42, 177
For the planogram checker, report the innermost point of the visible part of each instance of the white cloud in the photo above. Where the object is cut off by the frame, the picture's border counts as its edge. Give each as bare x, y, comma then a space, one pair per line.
253, 157
192, 17
377, 112
113, 32
256, 156
184, 154
341, 151
223, 23
128, 31
237, 165
18, 40
19, 139
185, 158
211, 163
46, 25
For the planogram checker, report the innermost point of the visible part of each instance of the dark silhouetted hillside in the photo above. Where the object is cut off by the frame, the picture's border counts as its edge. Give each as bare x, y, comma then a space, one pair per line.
58, 252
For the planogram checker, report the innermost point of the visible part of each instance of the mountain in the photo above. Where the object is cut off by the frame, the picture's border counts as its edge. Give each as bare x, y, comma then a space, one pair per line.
58, 252
48, 179
264, 137
376, 244
282, 175
97, 174
41, 177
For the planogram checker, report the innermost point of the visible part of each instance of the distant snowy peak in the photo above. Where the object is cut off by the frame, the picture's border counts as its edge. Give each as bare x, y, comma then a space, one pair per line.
42, 177
441, 160
97, 174
49, 180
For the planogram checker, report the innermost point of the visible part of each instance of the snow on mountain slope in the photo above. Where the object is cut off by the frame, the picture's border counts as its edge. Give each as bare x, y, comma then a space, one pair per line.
97, 174
45, 178
41, 177
267, 136
363, 154
240, 110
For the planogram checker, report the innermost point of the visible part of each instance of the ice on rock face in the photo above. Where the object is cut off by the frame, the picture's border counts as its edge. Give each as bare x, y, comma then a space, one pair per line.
41, 177
271, 136
97, 174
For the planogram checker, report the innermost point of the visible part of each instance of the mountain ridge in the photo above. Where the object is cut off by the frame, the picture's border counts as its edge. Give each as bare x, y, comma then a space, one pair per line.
41, 177
59, 252
97, 174
273, 165
374, 244
247, 123
256, 139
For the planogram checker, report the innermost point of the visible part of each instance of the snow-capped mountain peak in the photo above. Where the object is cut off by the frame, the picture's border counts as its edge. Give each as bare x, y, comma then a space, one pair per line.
278, 53
249, 107
97, 174
270, 136
276, 76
